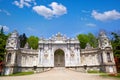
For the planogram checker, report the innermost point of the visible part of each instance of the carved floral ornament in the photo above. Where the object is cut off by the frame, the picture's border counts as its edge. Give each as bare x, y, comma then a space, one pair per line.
46, 55
72, 55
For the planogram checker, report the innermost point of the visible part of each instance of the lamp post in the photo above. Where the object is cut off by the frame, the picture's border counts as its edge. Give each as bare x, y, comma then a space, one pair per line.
85, 67
34, 68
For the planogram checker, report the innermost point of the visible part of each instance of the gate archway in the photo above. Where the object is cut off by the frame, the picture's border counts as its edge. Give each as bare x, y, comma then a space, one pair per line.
59, 58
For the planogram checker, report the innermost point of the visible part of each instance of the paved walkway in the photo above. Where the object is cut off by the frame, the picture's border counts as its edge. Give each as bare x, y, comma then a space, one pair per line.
58, 74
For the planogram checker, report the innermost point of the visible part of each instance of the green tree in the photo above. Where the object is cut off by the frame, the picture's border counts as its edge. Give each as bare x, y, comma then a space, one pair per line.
83, 40
92, 40
1, 30
23, 40
116, 48
33, 42
87, 38
3, 39
116, 44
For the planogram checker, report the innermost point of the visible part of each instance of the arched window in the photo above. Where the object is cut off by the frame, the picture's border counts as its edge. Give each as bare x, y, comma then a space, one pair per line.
108, 57
101, 55
9, 58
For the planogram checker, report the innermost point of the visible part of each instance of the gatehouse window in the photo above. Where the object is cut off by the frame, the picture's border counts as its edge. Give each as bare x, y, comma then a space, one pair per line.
9, 58
108, 57
101, 58
16, 59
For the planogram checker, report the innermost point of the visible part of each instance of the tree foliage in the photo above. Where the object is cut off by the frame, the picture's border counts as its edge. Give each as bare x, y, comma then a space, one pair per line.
3, 39
83, 40
33, 42
116, 44
1, 30
92, 40
23, 40
87, 38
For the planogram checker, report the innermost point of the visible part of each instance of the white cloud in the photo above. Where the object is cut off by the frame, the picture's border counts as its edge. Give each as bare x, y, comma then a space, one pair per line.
31, 29
58, 9
85, 11
28, 0
108, 15
23, 3
91, 25
55, 10
5, 28
5, 12
44, 11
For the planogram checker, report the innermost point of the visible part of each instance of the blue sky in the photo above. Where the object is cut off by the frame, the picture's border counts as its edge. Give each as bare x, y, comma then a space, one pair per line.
70, 17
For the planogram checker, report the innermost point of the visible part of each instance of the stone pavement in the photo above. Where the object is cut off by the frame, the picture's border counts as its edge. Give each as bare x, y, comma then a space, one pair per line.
58, 74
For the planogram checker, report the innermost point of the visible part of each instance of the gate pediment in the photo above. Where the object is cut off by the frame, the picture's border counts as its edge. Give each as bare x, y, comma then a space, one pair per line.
59, 37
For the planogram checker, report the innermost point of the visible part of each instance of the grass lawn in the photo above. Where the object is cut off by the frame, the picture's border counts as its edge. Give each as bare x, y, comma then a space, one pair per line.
114, 75
93, 71
110, 75
21, 73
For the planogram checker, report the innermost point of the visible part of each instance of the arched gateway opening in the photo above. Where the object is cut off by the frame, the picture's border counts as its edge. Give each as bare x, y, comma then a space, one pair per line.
59, 58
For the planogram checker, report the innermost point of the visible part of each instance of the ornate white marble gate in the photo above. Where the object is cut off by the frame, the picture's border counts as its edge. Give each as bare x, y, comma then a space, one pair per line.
59, 51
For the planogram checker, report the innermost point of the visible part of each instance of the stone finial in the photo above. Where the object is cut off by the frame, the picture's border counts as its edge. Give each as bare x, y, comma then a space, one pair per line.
88, 46
58, 34
102, 34
27, 46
